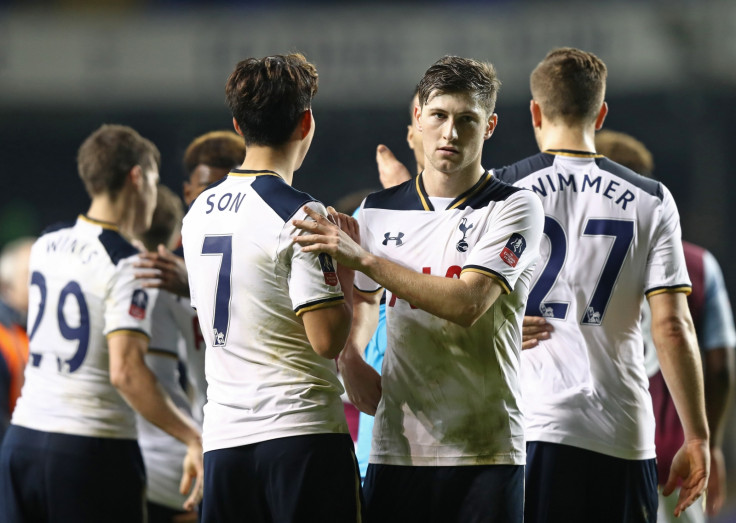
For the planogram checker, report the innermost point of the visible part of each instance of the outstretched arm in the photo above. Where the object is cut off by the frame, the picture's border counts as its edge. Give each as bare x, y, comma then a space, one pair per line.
462, 300
679, 358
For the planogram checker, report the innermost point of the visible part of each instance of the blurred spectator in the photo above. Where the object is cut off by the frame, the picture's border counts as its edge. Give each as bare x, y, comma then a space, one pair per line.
13, 312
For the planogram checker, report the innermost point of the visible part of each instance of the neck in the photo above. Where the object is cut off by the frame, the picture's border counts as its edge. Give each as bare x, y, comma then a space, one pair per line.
117, 212
450, 185
281, 160
555, 136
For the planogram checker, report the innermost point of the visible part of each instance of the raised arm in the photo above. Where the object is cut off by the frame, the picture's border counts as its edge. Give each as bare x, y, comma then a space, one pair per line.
140, 388
677, 349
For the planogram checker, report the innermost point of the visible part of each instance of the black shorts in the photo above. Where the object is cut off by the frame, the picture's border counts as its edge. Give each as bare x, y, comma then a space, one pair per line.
571, 485
47, 476
463, 494
296, 479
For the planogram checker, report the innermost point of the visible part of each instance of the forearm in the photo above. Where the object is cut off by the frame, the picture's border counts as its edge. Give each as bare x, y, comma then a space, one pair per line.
365, 321
459, 300
140, 388
718, 381
679, 359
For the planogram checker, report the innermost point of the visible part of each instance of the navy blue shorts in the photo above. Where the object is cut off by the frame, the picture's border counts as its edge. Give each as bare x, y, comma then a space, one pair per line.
296, 479
467, 494
47, 476
570, 484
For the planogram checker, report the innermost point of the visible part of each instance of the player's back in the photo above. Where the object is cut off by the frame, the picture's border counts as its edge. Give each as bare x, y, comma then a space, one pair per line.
612, 237
249, 284
82, 289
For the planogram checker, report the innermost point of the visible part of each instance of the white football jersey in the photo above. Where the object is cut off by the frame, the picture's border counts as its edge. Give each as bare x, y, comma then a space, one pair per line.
250, 283
450, 393
82, 289
163, 454
611, 237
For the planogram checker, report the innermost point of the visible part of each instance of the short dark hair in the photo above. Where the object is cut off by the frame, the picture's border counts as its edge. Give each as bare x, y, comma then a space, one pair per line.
453, 74
106, 157
220, 149
626, 150
166, 219
569, 85
267, 96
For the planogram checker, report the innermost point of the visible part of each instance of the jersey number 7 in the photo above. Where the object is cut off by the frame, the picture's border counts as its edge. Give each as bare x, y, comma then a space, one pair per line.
220, 246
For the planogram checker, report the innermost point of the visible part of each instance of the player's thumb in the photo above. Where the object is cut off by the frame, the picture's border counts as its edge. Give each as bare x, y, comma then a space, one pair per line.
185, 485
671, 484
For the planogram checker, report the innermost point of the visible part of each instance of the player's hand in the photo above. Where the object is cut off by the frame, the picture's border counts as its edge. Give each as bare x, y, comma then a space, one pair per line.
193, 474
325, 236
533, 329
349, 225
362, 382
390, 170
165, 270
716, 493
690, 466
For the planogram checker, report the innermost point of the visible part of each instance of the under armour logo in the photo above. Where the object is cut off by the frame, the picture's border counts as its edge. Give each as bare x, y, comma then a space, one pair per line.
387, 238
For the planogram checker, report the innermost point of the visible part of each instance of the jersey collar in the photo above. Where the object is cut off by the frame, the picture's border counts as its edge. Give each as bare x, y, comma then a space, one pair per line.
427, 204
99, 223
248, 172
573, 154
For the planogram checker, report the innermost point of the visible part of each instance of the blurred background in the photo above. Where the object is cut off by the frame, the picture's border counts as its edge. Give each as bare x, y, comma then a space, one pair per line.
160, 66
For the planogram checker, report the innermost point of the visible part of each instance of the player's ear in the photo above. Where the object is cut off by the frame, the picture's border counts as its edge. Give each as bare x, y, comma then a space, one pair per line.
237, 127
410, 135
601, 116
306, 123
536, 112
491, 126
136, 177
417, 115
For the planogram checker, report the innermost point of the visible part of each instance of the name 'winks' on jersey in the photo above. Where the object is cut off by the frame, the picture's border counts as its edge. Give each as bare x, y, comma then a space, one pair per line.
250, 283
611, 237
83, 288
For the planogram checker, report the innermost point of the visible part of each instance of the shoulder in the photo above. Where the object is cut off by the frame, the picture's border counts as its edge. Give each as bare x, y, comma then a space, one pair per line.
116, 247
647, 185
489, 190
283, 199
516, 171
55, 227
402, 197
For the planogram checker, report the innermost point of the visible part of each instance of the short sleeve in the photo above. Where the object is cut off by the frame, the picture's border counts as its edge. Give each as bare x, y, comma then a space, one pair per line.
666, 270
313, 282
510, 243
128, 306
362, 282
718, 327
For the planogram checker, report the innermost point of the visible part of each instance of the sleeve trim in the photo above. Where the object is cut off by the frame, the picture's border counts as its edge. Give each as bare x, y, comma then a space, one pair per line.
687, 289
491, 274
129, 332
319, 304
368, 292
163, 352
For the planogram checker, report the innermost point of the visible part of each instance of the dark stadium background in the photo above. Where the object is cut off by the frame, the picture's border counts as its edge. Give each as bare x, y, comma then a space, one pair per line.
672, 85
